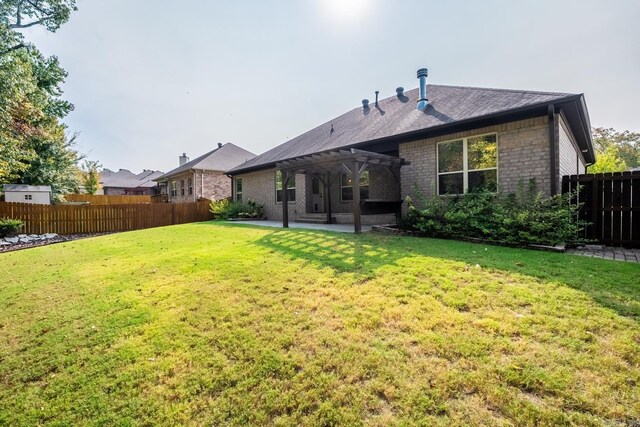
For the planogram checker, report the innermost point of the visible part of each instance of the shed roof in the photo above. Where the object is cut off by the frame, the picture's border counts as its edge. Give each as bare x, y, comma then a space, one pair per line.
27, 188
220, 159
397, 116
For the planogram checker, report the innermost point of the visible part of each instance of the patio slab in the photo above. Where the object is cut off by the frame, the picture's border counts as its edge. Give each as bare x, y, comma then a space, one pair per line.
341, 228
607, 252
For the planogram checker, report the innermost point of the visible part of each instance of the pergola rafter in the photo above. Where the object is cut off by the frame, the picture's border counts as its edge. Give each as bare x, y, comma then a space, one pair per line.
353, 162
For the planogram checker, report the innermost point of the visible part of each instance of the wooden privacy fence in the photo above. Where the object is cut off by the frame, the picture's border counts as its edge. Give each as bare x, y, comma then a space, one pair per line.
96, 199
79, 219
611, 204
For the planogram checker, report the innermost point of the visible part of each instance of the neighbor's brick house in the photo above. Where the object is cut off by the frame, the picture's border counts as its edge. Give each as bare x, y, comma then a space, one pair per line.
431, 140
203, 177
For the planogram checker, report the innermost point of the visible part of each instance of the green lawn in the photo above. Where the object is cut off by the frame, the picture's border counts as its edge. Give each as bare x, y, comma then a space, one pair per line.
206, 324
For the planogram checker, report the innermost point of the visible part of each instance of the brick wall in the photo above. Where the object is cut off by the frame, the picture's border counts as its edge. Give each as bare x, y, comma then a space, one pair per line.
523, 153
261, 187
208, 184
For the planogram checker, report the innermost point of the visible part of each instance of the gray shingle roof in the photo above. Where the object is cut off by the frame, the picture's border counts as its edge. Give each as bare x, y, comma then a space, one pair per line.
394, 117
126, 179
221, 159
25, 187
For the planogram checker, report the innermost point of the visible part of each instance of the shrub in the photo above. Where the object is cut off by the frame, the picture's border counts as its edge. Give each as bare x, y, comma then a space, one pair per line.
9, 227
523, 218
226, 209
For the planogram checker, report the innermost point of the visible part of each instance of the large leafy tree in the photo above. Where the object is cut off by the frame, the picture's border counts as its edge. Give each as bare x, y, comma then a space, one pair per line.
34, 145
615, 151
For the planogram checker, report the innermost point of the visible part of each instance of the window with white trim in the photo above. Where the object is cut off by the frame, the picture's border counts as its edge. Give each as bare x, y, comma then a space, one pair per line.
174, 188
346, 186
239, 189
28, 197
468, 164
182, 187
190, 185
291, 188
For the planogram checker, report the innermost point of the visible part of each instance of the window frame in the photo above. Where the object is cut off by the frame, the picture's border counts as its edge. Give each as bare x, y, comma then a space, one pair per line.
275, 185
174, 188
182, 193
238, 194
28, 196
465, 163
342, 199
190, 186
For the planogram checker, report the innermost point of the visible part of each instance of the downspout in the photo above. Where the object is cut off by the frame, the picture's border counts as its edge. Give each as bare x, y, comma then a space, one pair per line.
193, 183
553, 152
201, 183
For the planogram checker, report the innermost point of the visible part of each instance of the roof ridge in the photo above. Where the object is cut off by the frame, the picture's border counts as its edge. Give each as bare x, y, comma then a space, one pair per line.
496, 89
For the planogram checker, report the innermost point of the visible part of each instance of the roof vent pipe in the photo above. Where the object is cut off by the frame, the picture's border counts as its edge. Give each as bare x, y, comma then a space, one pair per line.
377, 92
400, 91
219, 144
365, 103
422, 76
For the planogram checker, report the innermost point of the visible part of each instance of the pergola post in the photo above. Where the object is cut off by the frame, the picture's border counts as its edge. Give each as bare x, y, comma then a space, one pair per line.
285, 199
327, 195
356, 197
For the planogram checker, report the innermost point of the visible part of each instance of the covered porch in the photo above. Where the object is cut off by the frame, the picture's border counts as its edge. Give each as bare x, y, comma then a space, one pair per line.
338, 186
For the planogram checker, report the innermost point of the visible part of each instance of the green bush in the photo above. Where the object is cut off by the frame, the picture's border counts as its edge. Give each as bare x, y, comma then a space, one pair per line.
522, 218
9, 227
226, 209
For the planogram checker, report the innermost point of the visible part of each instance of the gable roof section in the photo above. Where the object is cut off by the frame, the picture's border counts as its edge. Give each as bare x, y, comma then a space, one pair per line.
126, 179
221, 159
28, 188
396, 117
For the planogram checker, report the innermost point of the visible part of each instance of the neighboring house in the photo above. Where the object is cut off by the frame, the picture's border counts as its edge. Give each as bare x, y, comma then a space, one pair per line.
203, 177
431, 140
22, 193
125, 182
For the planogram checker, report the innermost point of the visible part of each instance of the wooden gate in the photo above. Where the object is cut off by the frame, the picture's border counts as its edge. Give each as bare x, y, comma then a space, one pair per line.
611, 206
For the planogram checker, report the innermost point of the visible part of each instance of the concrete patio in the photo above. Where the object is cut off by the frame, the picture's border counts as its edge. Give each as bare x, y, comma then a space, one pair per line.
341, 228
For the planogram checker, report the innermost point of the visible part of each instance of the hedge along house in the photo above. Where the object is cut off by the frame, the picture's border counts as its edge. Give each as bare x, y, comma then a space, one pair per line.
203, 177
431, 140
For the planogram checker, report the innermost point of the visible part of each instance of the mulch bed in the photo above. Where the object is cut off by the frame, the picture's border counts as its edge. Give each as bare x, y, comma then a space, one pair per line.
58, 239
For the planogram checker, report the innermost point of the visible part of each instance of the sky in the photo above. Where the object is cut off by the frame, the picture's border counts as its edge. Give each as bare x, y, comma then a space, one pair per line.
153, 79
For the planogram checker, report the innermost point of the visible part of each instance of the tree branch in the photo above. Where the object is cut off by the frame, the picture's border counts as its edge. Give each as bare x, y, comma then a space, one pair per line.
11, 49
30, 24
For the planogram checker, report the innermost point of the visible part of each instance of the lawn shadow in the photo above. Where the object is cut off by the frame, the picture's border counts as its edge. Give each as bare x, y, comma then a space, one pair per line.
612, 284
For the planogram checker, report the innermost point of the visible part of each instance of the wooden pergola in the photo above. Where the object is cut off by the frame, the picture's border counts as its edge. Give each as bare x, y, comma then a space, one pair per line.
352, 162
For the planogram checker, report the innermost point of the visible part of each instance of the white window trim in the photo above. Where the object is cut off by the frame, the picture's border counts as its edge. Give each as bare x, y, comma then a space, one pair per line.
275, 189
465, 169
351, 186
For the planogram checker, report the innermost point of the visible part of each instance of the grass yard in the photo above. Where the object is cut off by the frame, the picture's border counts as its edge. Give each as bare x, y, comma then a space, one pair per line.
209, 324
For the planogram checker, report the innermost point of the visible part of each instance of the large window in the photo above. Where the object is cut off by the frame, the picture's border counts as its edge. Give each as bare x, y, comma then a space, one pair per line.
468, 164
239, 190
346, 186
291, 188
174, 188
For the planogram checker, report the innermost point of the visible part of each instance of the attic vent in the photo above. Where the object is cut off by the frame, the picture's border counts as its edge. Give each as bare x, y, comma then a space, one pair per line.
365, 103
219, 144
400, 91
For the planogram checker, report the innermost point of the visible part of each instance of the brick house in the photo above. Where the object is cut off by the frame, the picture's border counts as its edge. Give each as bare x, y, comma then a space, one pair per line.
204, 176
436, 139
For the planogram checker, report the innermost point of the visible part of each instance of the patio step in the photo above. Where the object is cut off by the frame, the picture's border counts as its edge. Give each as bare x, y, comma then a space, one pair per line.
314, 219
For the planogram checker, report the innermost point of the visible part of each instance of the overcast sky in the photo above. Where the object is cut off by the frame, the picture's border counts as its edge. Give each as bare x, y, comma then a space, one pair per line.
153, 79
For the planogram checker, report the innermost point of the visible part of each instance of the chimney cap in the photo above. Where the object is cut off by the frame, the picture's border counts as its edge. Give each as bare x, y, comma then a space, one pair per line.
423, 72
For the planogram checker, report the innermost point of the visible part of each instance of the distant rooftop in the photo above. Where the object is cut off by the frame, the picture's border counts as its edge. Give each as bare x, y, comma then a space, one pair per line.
29, 188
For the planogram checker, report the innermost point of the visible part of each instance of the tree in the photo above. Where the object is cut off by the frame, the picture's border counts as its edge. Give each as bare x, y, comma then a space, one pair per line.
615, 151
91, 176
34, 146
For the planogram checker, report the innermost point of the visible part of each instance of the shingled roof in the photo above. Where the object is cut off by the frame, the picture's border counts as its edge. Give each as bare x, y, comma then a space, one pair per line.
398, 116
221, 159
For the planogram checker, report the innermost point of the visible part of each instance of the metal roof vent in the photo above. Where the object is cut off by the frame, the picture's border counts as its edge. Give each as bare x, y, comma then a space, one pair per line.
377, 92
365, 104
219, 144
400, 91
422, 76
